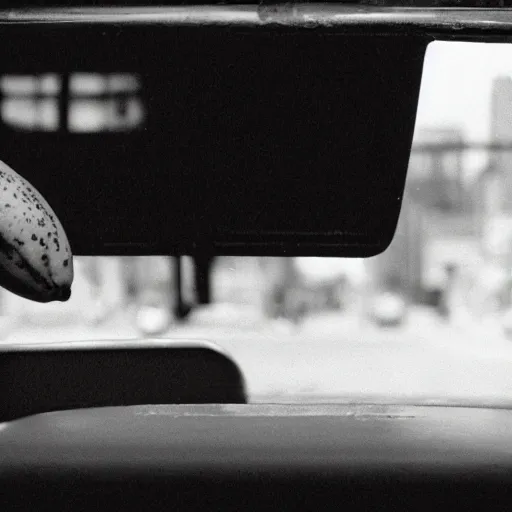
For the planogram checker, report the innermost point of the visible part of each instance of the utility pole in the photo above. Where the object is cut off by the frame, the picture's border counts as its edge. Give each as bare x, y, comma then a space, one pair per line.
203, 264
181, 308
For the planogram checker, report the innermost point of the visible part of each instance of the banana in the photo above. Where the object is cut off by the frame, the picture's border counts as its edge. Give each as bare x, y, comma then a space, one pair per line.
35, 256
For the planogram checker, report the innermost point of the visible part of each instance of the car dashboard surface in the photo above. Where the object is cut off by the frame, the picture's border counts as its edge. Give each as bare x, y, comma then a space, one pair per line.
259, 456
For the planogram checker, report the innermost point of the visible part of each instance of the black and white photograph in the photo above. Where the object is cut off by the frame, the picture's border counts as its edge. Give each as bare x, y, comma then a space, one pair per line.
256, 256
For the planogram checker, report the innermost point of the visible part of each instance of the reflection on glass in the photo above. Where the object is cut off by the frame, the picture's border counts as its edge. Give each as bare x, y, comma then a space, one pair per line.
90, 115
98, 102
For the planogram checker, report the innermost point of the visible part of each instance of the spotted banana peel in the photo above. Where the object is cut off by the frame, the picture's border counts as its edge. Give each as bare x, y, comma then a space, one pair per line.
35, 256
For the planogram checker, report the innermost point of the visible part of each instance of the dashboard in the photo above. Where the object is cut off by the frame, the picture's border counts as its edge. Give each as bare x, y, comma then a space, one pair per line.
248, 456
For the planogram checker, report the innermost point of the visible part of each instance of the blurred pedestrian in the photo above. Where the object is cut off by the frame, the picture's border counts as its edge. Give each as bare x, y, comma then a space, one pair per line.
445, 304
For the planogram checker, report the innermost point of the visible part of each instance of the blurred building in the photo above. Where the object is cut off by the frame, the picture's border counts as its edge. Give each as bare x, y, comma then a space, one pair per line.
494, 187
495, 184
493, 192
501, 131
399, 267
436, 176
437, 227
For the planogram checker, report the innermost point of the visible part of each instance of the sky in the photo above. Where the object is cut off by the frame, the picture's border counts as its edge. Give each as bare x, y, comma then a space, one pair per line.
456, 85
456, 91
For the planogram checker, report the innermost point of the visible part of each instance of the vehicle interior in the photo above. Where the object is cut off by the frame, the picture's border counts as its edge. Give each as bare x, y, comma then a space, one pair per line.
286, 156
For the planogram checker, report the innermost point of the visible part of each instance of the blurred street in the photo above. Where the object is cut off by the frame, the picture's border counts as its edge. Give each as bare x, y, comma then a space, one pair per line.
332, 355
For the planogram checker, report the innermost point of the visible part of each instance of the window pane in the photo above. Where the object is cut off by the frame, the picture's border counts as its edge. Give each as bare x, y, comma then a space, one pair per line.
123, 83
48, 114
130, 113
88, 83
50, 84
30, 114
19, 85
94, 84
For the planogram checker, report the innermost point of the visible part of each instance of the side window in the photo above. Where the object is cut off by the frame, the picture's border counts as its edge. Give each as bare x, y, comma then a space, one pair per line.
79, 102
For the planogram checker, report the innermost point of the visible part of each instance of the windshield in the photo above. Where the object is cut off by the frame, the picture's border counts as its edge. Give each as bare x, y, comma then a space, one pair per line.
430, 319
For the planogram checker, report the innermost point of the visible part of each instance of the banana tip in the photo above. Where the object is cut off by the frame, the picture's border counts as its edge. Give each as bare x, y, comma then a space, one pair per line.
64, 294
